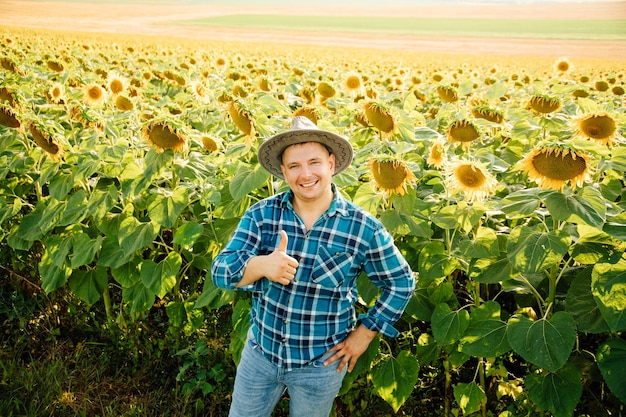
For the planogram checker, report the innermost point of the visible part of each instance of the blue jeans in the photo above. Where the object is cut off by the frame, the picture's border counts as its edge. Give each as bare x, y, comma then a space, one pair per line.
259, 385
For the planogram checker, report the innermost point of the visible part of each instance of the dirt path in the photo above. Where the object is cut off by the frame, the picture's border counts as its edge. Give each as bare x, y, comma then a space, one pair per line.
146, 19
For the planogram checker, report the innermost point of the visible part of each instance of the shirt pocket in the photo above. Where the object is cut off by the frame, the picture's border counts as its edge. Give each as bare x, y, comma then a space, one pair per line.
332, 267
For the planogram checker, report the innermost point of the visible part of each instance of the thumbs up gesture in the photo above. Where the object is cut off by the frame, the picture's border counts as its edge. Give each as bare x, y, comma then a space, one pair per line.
281, 268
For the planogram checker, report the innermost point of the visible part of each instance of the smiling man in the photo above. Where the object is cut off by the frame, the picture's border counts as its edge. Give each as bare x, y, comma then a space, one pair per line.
300, 253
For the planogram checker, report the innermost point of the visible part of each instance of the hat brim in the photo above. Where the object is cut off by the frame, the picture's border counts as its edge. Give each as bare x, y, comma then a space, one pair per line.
270, 152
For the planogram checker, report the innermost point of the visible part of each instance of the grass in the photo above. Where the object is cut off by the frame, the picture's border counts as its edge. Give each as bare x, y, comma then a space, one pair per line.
516, 28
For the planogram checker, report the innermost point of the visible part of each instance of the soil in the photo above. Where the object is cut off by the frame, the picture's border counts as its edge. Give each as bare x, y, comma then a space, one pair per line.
147, 19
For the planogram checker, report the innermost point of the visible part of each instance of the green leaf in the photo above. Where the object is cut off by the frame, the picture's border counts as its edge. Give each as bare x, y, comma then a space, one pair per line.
185, 316
112, 255
213, 297
426, 349
52, 276
367, 198
589, 207
127, 275
446, 218
187, 234
491, 270
89, 285
138, 297
247, 180
84, 249
419, 306
611, 357
161, 278
593, 246
559, 392
580, 303
165, 208
101, 201
531, 251
448, 326
469, 397
75, 209
61, 184
608, 285
616, 226
399, 223
134, 235
546, 343
521, 203
395, 378
433, 263
484, 244
486, 334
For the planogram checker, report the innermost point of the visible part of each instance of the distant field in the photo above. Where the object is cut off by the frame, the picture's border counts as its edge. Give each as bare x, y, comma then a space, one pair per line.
509, 28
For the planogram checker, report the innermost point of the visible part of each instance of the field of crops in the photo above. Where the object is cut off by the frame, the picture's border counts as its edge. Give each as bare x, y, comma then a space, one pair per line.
126, 162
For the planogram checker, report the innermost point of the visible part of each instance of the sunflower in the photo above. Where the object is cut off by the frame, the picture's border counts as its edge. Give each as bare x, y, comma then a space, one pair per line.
600, 127
447, 94
199, 91
45, 141
391, 176
489, 114
116, 83
242, 119
544, 104
471, 178
353, 85
552, 166
381, 118
462, 131
6, 94
209, 144
93, 94
563, 65
164, 137
56, 93
437, 154
326, 90
308, 112
124, 103
55, 65
8, 118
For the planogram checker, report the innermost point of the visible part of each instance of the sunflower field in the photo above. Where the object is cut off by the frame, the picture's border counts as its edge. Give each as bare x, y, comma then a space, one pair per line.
126, 163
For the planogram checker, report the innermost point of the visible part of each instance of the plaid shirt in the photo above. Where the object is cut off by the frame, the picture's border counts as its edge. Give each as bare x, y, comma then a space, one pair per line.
299, 322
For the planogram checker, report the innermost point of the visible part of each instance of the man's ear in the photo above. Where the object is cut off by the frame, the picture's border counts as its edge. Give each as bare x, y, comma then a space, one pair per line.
331, 160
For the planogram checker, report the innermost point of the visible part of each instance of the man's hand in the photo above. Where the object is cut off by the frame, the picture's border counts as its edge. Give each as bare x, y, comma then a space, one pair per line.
351, 348
280, 267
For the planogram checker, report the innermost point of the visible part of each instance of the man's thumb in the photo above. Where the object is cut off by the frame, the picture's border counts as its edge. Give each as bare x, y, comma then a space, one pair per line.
282, 245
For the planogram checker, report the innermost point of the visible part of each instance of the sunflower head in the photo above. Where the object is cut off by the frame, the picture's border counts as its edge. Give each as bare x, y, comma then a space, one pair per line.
552, 166
390, 176
447, 94
563, 65
93, 94
162, 136
45, 141
8, 118
55, 65
326, 90
308, 112
242, 119
462, 131
209, 144
600, 127
544, 104
437, 155
381, 118
56, 93
487, 113
353, 84
124, 103
470, 178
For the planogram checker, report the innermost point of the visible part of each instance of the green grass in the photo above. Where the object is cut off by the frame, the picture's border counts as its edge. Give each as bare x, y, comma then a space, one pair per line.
516, 28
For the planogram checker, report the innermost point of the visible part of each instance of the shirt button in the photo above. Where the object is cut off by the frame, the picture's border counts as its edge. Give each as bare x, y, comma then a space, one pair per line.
286, 322
284, 340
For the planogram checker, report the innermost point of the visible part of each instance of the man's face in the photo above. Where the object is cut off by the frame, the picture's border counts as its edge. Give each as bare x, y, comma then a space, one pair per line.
308, 168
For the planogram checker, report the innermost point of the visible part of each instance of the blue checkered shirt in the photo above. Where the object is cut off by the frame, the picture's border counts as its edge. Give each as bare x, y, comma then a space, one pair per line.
297, 323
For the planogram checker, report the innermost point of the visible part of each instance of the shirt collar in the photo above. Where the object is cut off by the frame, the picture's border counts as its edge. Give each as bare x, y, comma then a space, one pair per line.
339, 205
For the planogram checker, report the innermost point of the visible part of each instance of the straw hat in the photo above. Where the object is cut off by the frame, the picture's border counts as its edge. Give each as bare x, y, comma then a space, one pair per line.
303, 130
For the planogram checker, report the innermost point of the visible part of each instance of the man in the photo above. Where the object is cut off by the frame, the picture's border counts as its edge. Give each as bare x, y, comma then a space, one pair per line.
300, 253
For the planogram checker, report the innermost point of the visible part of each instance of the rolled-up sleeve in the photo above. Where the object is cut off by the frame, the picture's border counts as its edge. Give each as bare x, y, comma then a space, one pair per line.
387, 269
229, 265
